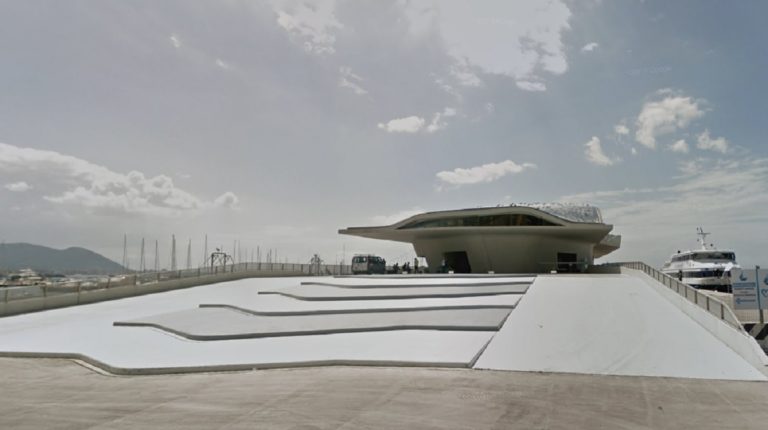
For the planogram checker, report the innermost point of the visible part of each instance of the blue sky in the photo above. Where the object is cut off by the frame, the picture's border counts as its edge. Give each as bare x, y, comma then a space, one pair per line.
277, 122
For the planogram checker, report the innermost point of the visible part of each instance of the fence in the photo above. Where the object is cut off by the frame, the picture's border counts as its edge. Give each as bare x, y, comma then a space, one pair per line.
20, 299
712, 305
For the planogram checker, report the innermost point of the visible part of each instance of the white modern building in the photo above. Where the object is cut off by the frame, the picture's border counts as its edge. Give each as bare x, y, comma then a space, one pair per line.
534, 238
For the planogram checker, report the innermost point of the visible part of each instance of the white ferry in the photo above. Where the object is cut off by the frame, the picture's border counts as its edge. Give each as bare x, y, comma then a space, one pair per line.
706, 268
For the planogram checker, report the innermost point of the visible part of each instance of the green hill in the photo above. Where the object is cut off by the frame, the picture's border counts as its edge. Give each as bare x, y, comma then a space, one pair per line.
16, 256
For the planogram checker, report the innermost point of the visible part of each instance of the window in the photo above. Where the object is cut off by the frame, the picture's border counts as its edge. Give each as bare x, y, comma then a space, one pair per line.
501, 220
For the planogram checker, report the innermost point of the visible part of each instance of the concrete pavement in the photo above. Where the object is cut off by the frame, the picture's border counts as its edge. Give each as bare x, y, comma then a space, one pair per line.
59, 394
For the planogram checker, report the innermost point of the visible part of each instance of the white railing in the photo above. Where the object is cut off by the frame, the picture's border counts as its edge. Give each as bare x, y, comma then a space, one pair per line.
712, 305
149, 280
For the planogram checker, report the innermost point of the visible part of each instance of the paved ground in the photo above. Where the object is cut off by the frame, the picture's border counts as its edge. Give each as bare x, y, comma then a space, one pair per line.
58, 394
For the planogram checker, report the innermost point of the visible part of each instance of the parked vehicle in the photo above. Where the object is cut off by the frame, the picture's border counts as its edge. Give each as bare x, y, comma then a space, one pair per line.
368, 264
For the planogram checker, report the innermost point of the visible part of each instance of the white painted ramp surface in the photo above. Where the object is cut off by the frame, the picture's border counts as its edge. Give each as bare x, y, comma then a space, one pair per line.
324, 292
227, 323
608, 324
88, 330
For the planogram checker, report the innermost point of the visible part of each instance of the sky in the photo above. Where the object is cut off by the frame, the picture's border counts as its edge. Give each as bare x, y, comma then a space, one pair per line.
275, 123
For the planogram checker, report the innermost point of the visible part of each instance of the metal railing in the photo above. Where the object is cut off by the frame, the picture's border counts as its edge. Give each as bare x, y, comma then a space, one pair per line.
712, 305
146, 279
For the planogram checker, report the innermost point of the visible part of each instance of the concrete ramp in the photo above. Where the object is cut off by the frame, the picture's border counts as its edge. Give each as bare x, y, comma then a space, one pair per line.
325, 292
207, 324
608, 324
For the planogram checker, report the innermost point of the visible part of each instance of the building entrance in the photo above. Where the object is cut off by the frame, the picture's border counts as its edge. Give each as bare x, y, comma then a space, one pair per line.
457, 261
566, 262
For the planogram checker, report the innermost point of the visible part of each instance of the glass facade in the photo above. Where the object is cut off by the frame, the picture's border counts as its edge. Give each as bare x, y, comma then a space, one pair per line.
501, 220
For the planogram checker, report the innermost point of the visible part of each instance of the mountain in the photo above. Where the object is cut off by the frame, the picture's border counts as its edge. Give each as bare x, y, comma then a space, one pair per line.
16, 256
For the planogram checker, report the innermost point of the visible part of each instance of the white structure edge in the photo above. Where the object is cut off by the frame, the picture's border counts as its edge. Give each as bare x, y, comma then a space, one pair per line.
740, 342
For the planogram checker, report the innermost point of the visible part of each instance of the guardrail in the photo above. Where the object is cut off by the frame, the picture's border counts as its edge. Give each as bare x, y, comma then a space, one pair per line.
712, 305
159, 281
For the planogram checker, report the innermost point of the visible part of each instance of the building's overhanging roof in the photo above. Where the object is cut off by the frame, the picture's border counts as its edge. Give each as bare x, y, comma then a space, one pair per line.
596, 232
610, 243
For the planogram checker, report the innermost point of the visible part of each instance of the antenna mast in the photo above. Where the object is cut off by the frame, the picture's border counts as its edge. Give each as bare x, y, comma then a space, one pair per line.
157, 257
173, 252
702, 237
125, 252
189, 254
142, 260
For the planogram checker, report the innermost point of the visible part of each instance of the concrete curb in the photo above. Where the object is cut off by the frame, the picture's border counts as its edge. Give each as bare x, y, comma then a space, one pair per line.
315, 332
478, 284
354, 311
127, 371
391, 297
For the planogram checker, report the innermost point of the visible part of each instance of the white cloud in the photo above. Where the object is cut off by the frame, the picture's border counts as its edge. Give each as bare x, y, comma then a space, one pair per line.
96, 187
310, 24
438, 123
396, 217
594, 153
410, 124
589, 47
705, 142
665, 116
227, 200
415, 124
18, 187
727, 196
175, 41
351, 81
531, 86
680, 146
521, 39
223, 64
486, 173
621, 129
465, 76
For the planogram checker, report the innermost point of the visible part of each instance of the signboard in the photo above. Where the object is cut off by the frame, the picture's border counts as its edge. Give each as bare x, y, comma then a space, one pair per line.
746, 285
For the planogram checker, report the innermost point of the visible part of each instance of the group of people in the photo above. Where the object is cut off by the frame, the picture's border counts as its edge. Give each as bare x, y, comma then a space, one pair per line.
406, 267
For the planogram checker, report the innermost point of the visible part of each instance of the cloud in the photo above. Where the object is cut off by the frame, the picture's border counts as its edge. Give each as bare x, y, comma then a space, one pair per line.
486, 173
396, 217
415, 124
92, 186
351, 81
657, 220
223, 64
680, 146
521, 39
438, 122
708, 144
18, 187
311, 25
589, 47
665, 116
410, 124
227, 200
465, 76
594, 153
531, 86
175, 41
621, 129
